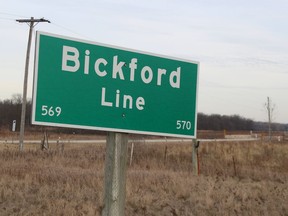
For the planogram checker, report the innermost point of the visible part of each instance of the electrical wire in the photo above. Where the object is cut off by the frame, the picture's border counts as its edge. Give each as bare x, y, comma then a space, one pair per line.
4, 18
71, 31
13, 15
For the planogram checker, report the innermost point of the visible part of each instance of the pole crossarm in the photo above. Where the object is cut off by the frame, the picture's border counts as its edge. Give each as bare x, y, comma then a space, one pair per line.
32, 20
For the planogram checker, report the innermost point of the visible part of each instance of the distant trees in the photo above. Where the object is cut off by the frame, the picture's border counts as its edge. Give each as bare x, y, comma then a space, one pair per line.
223, 122
235, 122
10, 109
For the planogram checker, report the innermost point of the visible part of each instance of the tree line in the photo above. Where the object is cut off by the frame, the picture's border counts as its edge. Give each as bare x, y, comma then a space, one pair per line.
234, 123
224, 122
10, 109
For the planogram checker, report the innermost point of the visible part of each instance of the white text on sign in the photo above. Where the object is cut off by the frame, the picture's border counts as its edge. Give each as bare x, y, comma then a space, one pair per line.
71, 63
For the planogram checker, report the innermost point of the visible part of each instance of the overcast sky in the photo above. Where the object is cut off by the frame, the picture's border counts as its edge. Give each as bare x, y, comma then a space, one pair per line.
242, 46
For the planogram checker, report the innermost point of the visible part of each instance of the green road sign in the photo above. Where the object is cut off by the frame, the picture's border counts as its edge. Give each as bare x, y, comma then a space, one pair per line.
82, 84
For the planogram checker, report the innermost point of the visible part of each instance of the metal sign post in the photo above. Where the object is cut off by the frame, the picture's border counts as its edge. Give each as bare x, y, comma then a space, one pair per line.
115, 174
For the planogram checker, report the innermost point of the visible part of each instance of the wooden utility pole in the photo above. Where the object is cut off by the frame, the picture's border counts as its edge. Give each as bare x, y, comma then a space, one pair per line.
269, 116
269, 111
31, 22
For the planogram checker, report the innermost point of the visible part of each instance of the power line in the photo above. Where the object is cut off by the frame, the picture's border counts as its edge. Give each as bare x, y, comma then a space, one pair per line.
13, 15
3, 18
69, 30
261, 88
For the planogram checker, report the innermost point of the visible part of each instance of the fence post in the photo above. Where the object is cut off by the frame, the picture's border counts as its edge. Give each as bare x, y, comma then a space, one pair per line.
195, 162
115, 174
131, 153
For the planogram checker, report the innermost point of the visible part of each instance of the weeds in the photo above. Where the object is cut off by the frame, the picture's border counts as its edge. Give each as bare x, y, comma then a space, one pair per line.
235, 179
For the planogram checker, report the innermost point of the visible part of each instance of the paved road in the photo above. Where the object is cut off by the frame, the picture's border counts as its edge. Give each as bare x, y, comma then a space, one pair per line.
134, 141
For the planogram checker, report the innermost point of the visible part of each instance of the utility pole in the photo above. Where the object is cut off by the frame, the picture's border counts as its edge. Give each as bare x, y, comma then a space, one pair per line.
31, 22
269, 111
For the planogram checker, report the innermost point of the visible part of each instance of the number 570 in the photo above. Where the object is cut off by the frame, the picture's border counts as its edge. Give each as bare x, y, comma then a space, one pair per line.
183, 125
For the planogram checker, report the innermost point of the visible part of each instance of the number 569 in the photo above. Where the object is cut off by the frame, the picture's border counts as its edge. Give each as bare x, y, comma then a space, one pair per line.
50, 110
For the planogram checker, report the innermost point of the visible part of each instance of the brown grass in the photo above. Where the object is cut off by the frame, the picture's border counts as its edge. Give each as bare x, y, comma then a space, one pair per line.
38, 182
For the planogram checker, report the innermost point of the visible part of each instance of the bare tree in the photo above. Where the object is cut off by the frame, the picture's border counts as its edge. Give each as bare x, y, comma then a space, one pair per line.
270, 111
17, 99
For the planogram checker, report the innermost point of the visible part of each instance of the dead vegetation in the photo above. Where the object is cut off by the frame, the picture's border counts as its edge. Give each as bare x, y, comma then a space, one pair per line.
244, 178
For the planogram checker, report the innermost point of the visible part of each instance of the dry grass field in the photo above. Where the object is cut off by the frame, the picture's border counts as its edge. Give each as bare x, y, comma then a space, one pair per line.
236, 178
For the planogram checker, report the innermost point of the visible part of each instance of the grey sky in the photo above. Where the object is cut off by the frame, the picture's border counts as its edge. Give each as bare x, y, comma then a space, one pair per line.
241, 45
